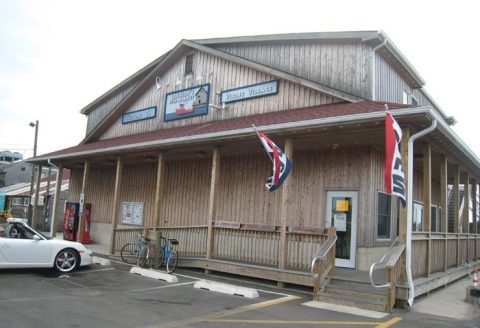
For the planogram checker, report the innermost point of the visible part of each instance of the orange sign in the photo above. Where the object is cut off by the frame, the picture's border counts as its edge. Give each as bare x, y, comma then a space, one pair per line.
341, 206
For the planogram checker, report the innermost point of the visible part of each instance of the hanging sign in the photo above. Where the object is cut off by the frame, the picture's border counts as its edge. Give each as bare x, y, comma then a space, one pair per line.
249, 92
187, 103
139, 115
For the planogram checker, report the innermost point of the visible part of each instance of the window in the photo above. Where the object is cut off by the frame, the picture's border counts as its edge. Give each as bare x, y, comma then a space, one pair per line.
417, 222
189, 64
17, 201
414, 101
433, 219
384, 215
405, 97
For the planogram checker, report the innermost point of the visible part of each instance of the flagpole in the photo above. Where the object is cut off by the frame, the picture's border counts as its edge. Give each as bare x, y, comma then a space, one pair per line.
259, 137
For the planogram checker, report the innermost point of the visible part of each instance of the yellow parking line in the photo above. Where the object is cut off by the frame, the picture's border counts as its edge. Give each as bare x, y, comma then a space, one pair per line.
296, 322
389, 322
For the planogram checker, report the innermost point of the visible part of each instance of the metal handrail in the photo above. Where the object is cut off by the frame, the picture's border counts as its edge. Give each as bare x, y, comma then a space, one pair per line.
322, 252
372, 267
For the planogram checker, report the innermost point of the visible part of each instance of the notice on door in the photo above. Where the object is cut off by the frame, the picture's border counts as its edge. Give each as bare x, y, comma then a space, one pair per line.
340, 221
341, 205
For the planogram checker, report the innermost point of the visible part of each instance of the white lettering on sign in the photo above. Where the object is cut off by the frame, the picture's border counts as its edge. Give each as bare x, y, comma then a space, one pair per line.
249, 91
139, 115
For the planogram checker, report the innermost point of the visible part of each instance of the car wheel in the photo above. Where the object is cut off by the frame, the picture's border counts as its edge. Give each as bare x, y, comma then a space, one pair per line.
66, 260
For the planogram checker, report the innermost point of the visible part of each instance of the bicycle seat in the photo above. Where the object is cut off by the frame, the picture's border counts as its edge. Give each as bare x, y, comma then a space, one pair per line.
173, 241
148, 239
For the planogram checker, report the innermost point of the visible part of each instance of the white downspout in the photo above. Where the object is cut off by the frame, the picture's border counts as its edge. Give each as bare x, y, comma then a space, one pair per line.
374, 70
53, 232
408, 246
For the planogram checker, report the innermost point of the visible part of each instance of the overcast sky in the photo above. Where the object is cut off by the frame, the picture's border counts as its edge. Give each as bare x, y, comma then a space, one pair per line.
58, 56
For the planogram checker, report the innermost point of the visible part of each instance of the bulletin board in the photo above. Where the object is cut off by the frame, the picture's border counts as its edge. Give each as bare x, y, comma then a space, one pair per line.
132, 213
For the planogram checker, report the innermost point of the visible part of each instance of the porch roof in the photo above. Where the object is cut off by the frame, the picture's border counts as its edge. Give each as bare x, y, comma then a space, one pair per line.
175, 135
338, 115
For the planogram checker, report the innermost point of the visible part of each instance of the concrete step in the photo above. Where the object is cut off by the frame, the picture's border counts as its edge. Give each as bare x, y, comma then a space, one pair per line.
354, 301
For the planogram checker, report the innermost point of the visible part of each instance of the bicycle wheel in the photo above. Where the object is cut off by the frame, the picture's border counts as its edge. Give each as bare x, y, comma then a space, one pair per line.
172, 261
157, 263
129, 253
143, 257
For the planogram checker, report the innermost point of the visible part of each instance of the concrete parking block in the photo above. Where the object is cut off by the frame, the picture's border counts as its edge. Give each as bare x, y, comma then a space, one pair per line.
226, 288
154, 274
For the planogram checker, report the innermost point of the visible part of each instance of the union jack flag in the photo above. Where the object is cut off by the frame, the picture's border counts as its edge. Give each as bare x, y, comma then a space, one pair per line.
281, 164
394, 176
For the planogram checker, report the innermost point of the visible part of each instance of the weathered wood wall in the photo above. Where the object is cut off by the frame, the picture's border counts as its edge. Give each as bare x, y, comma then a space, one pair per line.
221, 75
344, 65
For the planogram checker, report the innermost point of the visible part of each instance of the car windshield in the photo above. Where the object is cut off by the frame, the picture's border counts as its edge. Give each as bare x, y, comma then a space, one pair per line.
20, 231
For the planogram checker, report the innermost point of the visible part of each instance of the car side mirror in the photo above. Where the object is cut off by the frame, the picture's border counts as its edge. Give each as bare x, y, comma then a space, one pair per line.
36, 237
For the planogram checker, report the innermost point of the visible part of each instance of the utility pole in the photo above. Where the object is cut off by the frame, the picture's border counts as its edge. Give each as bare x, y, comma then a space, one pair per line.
29, 213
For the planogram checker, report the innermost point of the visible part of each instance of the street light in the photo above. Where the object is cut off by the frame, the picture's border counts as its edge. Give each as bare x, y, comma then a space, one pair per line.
29, 213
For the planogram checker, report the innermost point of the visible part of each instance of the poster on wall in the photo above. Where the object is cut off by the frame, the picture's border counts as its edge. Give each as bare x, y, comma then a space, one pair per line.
132, 213
187, 103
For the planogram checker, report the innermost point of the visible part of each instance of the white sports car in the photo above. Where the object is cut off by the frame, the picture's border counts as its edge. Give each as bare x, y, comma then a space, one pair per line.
23, 247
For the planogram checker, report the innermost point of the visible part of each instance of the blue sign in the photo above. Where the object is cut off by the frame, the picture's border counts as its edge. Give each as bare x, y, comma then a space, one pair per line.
250, 91
187, 103
139, 115
2, 202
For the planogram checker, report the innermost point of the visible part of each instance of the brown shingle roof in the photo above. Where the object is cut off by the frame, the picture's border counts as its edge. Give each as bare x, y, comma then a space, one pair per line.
272, 118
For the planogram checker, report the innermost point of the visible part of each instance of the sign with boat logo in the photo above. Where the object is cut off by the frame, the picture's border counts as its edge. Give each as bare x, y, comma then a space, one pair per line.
187, 103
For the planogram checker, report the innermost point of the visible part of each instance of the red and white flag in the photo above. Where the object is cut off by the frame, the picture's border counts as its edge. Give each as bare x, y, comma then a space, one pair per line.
394, 176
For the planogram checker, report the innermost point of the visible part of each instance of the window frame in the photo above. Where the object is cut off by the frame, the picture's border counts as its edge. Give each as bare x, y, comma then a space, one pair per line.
387, 216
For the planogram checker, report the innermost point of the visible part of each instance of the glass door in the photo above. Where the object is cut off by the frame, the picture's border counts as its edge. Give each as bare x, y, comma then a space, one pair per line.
342, 214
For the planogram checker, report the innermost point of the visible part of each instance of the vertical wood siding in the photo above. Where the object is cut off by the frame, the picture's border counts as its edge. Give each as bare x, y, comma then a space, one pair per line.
389, 84
342, 65
186, 193
107, 105
221, 75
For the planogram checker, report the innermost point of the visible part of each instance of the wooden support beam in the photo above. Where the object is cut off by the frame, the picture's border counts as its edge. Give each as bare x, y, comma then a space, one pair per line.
427, 200
212, 200
37, 195
466, 203
83, 197
444, 205
159, 190
116, 204
456, 201
58, 189
474, 206
283, 251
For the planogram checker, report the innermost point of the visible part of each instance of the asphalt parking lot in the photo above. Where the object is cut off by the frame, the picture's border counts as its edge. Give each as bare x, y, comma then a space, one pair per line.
111, 296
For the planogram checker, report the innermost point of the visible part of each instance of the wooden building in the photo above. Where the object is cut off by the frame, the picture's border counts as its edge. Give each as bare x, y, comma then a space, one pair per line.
172, 148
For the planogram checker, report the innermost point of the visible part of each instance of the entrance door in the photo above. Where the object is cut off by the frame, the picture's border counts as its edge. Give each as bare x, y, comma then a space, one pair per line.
342, 214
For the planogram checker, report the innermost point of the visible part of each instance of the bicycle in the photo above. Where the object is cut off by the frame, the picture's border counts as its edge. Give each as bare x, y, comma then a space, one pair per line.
130, 252
168, 254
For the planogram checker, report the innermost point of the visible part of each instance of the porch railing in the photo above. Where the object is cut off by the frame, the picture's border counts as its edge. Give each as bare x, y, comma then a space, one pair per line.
388, 262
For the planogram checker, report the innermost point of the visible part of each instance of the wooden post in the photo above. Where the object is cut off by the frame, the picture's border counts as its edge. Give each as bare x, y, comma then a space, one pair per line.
81, 218
159, 189
402, 224
283, 251
427, 200
58, 189
456, 200
37, 195
475, 216
444, 205
466, 203
116, 204
211, 201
